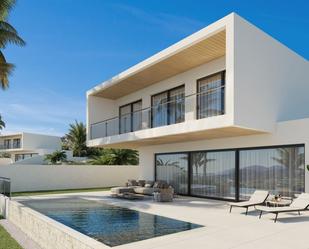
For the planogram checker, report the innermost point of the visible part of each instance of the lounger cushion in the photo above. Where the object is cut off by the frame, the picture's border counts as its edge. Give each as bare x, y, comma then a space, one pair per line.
302, 201
277, 209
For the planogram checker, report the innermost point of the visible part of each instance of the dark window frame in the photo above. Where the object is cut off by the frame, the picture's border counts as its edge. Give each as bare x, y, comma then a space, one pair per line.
131, 114
168, 105
16, 143
237, 164
223, 81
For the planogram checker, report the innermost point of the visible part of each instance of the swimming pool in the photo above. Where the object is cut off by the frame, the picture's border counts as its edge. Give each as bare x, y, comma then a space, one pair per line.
109, 224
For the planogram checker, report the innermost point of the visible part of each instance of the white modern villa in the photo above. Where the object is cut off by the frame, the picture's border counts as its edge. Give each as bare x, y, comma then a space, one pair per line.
25, 145
219, 114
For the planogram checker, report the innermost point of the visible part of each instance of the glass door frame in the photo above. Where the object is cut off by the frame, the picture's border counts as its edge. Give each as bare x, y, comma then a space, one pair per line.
131, 114
237, 164
168, 92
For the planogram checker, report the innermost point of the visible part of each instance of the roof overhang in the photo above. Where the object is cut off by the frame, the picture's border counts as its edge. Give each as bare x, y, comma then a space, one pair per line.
200, 48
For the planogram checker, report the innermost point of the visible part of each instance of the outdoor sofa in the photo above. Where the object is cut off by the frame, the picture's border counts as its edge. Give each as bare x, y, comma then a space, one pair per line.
301, 203
257, 198
143, 187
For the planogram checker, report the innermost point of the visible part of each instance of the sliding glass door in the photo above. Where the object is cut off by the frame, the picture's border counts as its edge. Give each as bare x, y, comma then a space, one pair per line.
168, 107
213, 174
236, 173
159, 109
173, 168
210, 101
130, 117
280, 170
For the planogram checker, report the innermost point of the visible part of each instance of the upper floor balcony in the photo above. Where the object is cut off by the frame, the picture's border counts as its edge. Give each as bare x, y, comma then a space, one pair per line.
215, 83
168, 108
10, 143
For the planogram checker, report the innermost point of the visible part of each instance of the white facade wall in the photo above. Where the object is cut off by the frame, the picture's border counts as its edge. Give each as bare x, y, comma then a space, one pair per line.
270, 80
37, 141
288, 132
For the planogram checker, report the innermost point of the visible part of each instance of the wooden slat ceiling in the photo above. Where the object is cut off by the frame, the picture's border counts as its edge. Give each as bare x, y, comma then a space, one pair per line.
198, 54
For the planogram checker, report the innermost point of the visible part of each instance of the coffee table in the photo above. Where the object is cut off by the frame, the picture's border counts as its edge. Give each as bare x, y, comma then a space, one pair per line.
279, 203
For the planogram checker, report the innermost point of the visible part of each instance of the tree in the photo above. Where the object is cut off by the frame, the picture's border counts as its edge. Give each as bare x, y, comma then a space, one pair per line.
56, 157
2, 124
75, 140
292, 160
8, 35
116, 157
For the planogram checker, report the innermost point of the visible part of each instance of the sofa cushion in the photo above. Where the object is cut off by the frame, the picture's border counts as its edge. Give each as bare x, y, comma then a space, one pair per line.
149, 183
132, 183
141, 183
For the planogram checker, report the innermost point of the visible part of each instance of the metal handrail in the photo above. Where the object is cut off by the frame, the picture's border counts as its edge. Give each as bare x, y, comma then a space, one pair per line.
113, 126
156, 106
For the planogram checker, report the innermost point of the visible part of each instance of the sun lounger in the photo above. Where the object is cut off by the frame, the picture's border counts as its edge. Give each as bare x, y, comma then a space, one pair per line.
257, 198
301, 203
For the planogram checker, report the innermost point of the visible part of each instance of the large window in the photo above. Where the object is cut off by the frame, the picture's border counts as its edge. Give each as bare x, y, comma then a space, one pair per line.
130, 117
210, 98
279, 170
168, 107
16, 143
236, 173
7, 143
173, 168
213, 174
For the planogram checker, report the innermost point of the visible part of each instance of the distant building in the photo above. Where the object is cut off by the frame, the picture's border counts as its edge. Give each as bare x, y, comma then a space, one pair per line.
23, 145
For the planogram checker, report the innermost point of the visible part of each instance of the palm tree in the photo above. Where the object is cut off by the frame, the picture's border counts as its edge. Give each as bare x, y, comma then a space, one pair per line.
8, 34
2, 124
116, 157
292, 160
56, 157
200, 160
76, 139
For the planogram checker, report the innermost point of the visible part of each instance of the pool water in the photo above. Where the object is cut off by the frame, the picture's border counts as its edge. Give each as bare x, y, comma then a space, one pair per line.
107, 223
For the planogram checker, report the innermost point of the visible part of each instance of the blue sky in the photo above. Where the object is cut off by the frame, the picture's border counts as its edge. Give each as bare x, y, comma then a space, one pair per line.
73, 45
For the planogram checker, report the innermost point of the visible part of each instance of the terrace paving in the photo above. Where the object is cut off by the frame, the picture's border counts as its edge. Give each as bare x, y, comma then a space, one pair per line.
222, 230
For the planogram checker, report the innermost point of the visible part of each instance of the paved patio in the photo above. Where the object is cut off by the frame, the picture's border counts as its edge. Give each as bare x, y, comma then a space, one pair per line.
222, 229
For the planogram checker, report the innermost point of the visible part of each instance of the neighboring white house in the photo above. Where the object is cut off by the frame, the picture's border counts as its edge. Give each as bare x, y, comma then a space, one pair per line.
22, 146
218, 114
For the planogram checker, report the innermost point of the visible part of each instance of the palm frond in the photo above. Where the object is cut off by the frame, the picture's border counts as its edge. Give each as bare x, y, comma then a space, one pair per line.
7, 36
5, 7
5, 71
2, 124
6, 26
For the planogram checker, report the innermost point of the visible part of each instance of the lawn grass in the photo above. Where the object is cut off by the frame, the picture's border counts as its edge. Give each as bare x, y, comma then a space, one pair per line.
6, 241
63, 191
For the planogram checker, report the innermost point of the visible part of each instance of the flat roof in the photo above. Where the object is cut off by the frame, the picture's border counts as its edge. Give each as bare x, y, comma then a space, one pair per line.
199, 48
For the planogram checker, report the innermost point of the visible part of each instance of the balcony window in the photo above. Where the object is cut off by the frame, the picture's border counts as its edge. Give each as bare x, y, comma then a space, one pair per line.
7, 143
130, 117
16, 143
168, 107
210, 99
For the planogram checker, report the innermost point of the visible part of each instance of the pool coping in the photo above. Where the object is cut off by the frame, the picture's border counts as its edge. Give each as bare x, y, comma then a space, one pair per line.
86, 241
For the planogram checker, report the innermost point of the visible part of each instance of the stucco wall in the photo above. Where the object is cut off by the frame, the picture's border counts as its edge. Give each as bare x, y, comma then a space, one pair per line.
51, 177
289, 132
32, 141
271, 82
